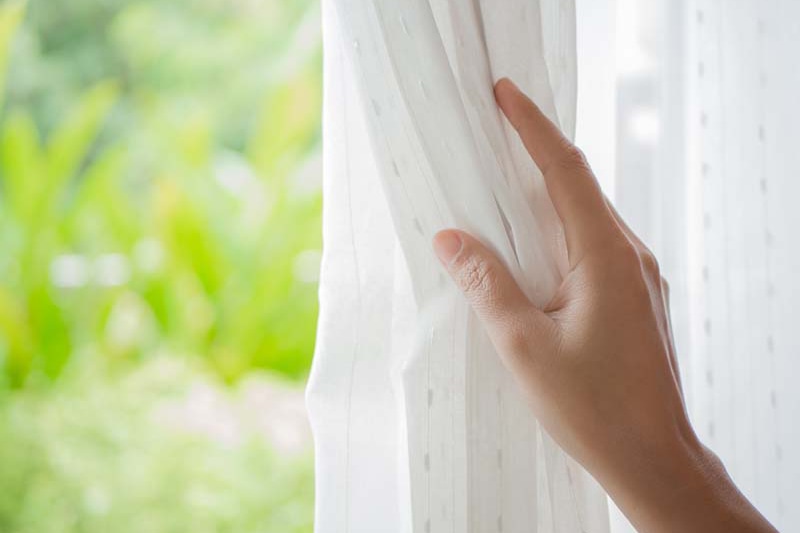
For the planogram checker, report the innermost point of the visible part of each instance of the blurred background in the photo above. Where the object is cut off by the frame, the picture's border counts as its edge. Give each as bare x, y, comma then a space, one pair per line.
160, 216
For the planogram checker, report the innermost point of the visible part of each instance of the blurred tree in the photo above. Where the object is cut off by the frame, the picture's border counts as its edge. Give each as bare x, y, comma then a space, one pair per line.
154, 172
159, 210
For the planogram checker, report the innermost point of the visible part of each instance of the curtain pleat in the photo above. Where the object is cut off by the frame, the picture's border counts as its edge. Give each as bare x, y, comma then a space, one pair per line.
417, 425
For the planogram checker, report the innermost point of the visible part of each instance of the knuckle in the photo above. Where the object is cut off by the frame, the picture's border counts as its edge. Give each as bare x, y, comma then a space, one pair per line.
629, 259
630, 273
621, 266
476, 277
650, 264
622, 257
572, 158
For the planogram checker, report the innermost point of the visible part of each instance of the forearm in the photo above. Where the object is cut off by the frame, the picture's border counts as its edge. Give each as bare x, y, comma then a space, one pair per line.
686, 489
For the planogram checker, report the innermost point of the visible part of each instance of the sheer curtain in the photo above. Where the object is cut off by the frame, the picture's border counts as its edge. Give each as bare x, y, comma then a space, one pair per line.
418, 426
687, 112
707, 172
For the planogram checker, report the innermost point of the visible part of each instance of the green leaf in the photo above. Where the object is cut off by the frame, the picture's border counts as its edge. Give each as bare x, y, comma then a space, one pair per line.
288, 122
70, 145
15, 338
99, 201
21, 165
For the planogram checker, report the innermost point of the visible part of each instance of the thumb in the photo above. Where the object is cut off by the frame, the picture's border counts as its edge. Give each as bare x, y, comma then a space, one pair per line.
511, 320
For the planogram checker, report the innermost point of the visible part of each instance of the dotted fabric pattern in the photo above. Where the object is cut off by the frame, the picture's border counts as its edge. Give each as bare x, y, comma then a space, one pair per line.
717, 200
745, 295
418, 427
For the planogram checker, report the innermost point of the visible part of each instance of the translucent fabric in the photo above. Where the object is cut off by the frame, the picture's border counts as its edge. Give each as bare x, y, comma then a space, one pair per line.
715, 192
744, 277
418, 427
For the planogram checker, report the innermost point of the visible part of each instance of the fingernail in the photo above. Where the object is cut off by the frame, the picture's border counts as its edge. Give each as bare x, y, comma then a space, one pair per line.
447, 246
509, 81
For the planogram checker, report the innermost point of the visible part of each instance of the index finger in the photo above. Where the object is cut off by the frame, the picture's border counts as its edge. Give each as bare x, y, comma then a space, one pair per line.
575, 192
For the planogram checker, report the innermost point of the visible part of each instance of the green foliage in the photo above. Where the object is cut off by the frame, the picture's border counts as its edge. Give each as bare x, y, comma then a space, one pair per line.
160, 219
164, 207
101, 454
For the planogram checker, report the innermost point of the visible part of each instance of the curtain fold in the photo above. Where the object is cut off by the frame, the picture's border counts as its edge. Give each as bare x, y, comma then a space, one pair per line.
417, 425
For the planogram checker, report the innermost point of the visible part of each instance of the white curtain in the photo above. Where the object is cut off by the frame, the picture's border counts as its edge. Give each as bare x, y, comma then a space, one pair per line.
708, 123
417, 425
707, 172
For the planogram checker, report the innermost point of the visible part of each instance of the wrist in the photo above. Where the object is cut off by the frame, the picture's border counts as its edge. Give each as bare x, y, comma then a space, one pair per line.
681, 485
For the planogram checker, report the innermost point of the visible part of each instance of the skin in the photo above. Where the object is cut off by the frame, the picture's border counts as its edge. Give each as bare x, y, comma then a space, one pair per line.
598, 363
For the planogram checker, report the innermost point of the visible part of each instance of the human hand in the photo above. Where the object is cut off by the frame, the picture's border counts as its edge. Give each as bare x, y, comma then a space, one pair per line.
598, 362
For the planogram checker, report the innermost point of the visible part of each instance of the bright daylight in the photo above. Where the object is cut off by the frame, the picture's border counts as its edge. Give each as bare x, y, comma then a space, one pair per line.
399, 266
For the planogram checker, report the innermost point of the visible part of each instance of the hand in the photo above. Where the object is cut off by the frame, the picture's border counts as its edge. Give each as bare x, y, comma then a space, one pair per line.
598, 363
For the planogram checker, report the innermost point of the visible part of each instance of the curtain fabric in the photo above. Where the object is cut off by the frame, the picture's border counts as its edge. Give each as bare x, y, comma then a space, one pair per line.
715, 193
418, 427
745, 288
